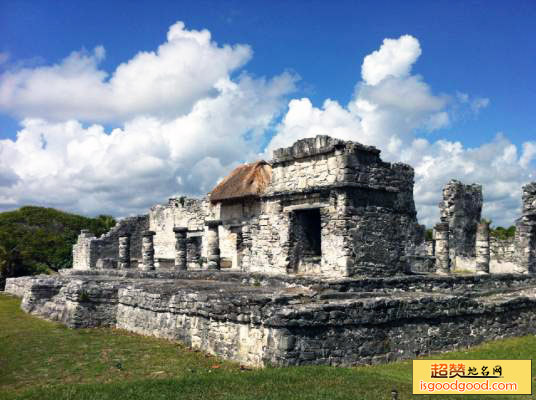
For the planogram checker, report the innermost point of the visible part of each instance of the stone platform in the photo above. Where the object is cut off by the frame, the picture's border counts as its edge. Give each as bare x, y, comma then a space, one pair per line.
263, 320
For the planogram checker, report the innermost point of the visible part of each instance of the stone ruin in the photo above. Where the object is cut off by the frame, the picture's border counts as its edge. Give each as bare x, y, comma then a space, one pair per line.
525, 239
462, 241
460, 209
315, 257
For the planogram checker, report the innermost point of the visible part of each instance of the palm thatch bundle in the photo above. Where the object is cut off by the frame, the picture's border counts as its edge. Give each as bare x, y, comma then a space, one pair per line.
246, 180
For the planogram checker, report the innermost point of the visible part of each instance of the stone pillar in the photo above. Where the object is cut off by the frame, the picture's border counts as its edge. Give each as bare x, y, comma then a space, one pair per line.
180, 248
482, 248
461, 207
124, 251
213, 244
525, 238
147, 251
441, 234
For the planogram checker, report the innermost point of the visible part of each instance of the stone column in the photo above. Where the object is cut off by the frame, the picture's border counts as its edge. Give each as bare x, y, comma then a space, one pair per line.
441, 234
147, 251
124, 251
461, 208
525, 238
213, 244
482, 248
180, 247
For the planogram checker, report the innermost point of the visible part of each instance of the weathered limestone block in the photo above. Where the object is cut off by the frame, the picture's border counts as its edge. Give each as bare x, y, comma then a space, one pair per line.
148, 251
124, 252
213, 244
461, 208
482, 248
180, 247
441, 233
525, 238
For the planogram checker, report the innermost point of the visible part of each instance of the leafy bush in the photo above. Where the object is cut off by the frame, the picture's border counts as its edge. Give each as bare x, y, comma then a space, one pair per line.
37, 240
503, 233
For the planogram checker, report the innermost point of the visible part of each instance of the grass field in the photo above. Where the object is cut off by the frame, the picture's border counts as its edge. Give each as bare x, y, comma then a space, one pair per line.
44, 360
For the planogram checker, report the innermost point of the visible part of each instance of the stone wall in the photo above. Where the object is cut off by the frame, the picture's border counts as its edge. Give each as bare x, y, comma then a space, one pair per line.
502, 255
271, 241
90, 252
320, 162
299, 325
265, 240
180, 212
502, 250
461, 208
309, 163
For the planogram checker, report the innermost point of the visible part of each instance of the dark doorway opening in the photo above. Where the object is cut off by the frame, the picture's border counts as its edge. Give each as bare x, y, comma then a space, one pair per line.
193, 251
308, 232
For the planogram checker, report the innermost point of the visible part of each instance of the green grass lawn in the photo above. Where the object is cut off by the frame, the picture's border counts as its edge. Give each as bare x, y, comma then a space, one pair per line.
44, 360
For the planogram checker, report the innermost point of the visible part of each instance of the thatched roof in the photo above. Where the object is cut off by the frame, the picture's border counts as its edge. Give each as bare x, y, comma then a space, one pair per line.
247, 180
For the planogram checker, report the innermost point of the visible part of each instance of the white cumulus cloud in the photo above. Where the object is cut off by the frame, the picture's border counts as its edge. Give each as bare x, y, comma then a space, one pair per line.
184, 124
394, 58
165, 82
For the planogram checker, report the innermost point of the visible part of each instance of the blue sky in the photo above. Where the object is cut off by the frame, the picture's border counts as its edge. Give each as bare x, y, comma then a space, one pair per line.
472, 50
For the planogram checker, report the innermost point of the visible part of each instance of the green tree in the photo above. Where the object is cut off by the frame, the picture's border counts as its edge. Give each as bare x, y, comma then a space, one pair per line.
39, 240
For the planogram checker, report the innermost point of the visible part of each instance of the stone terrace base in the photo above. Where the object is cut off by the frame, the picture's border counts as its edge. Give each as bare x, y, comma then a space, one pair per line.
259, 320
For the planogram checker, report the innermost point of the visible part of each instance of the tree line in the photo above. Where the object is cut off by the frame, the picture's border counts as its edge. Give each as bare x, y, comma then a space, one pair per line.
37, 240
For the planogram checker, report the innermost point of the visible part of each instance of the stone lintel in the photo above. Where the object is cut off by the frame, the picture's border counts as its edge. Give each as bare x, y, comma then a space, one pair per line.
213, 223
305, 207
442, 226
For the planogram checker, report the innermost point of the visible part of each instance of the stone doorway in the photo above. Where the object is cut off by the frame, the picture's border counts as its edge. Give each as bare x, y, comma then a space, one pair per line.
193, 250
306, 240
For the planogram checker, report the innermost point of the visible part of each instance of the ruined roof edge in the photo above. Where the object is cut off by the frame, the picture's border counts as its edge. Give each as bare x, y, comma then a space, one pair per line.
320, 144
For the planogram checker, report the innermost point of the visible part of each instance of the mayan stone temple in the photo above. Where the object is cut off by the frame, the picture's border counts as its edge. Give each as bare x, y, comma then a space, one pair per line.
314, 257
